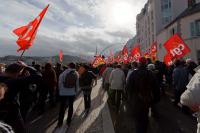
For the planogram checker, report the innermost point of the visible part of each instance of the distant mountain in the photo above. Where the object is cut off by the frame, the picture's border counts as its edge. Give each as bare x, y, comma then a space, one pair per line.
42, 60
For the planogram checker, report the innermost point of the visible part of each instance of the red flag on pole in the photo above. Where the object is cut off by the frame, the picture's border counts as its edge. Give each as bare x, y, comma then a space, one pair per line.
61, 55
176, 47
125, 54
27, 33
135, 53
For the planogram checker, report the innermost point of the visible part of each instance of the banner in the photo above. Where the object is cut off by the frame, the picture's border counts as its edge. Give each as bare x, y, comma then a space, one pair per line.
27, 33
176, 47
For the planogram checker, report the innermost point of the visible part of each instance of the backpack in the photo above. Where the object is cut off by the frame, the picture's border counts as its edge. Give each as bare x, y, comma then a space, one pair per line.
70, 80
85, 80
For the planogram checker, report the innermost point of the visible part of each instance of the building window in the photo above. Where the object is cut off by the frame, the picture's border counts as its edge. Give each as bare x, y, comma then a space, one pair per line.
166, 10
195, 28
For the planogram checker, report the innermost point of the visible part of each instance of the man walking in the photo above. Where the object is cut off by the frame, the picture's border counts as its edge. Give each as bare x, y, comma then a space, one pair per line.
86, 81
140, 88
68, 85
117, 84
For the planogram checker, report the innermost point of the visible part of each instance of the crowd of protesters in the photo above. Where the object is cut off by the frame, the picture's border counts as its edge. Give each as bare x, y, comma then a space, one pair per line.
144, 83
141, 84
24, 88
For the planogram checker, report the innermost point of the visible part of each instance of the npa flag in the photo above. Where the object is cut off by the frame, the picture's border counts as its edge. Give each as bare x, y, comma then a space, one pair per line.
27, 33
153, 51
98, 61
135, 53
168, 60
125, 55
61, 55
176, 47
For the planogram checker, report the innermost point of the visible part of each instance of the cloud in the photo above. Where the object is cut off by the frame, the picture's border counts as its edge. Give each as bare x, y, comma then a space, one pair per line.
75, 26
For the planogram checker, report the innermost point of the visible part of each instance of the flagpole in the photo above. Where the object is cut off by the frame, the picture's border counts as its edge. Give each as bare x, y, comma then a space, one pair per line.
21, 55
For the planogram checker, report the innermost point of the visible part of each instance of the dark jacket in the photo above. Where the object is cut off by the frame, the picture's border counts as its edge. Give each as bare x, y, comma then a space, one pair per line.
141, 87
180, 78
9, 107
86, 79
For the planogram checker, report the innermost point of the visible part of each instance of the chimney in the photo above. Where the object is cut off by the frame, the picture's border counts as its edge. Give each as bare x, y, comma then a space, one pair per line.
191, 3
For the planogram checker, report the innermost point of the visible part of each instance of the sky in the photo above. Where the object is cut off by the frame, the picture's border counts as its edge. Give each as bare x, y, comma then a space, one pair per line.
76, 27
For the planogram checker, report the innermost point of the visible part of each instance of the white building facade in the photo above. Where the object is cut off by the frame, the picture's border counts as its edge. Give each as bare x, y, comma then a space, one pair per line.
160, 19
153, 17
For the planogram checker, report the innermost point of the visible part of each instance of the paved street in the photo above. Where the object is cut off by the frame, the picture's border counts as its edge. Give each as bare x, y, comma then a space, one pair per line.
94, 122
170, 119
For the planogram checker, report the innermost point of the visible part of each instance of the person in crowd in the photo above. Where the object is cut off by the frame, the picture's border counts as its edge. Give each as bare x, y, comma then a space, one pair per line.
117, 85
125, 69
141, 85
191, 97
168, 76
102, 69
134, 66
180, 79
156, 90
191, 65
9, 107
106, 76
68, 87
161, 72
86, 84
149, 61
33, 64
49, 83
26, 96
58, 70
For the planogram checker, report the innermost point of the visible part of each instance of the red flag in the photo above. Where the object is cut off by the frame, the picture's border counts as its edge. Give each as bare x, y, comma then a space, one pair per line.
168, 60
98, 61
118, 57
176, 47
135, 53
153, 51
125, 54
61, 55
27, 33
154, 48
